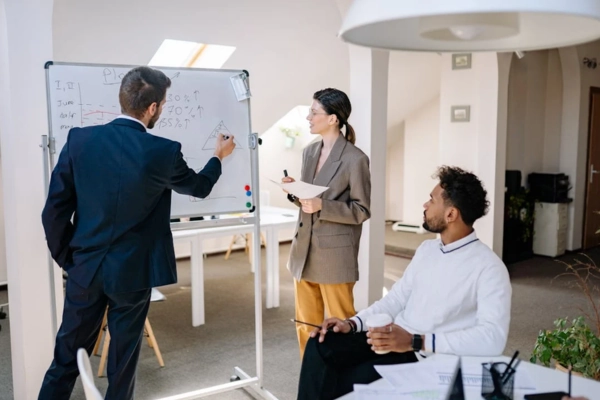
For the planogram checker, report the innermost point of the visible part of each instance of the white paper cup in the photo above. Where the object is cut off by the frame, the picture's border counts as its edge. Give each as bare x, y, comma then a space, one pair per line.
377, 321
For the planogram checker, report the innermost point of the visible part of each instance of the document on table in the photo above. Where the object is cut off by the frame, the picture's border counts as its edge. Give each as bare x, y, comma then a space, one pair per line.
301, 190
430, 379
370, 392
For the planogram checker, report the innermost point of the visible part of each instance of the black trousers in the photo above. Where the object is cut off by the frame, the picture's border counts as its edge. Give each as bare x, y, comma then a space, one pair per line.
83, 313
330, 369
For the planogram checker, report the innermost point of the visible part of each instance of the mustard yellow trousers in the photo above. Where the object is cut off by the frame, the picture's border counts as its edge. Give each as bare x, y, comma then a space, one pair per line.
315, 302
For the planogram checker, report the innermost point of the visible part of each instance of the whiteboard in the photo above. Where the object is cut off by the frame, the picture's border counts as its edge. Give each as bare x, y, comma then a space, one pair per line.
201, 103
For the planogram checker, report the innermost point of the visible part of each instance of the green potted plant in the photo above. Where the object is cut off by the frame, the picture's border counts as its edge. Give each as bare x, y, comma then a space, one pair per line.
290, 135
576, 344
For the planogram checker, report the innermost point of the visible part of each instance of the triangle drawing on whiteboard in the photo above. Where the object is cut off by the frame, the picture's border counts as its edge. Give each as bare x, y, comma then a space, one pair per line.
211, 142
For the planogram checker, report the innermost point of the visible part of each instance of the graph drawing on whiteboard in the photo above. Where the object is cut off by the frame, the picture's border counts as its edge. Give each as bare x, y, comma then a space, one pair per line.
211, 142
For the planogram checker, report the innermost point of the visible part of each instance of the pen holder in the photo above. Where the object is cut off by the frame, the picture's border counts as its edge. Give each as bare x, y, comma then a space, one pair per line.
497, 381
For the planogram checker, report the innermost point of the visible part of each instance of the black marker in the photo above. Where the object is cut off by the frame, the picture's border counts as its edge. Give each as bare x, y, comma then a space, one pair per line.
512, 360
285, 173
305, 323
309, 324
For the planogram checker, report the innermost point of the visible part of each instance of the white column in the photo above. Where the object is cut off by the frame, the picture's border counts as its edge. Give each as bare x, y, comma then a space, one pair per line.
25, 45
573, 140
3, 271
496, 196
368, 93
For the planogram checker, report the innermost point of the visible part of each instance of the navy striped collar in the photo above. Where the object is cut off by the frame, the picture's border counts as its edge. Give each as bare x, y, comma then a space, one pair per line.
458, 244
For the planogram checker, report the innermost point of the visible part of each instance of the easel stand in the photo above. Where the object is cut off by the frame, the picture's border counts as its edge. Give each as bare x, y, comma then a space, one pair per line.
75, 79
240, 379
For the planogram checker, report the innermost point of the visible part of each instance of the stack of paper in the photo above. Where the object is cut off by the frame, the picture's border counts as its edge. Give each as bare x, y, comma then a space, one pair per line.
430, 379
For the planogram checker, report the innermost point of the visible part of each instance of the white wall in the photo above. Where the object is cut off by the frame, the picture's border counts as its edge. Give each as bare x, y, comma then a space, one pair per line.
421, 159
394, 189
553, 121
274, 156
3, 269
413, 84
290, 48
534, 113
413, 81
479, 145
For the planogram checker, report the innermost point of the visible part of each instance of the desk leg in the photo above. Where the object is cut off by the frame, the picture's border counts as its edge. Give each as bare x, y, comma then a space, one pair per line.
272, 267
197, 267
249, 238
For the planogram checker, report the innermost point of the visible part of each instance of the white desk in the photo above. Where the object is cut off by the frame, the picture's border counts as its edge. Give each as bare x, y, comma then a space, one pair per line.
544, 379
272, 219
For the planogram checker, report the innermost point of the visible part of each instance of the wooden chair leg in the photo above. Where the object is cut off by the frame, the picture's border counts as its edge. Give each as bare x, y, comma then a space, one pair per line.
104, 354
263, 240
147, 334
152, 339
230, 247
100, 333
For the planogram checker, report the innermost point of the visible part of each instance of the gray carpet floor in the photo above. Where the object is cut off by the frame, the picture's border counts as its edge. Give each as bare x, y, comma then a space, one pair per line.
201, 357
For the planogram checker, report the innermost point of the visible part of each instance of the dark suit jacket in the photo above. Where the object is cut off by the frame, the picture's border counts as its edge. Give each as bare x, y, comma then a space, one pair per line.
109, 204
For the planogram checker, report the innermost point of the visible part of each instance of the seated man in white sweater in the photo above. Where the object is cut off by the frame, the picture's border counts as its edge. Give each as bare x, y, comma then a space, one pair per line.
454, 298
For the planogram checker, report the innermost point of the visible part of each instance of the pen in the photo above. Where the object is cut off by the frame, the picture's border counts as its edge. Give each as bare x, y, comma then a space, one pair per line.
285, 173
511, 372
305, 323
504, 375
512, 360
309, 324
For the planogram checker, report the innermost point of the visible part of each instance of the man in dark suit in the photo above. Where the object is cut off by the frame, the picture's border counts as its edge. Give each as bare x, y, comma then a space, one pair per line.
115, 182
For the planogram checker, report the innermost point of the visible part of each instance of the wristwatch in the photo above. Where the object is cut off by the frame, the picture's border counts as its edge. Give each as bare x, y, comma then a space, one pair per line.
417, 342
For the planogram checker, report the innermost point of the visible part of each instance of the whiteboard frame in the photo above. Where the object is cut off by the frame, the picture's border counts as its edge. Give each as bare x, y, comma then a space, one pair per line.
51, 137
253, 384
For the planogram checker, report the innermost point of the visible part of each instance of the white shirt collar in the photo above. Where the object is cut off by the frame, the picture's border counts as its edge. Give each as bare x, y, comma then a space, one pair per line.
133, 119
472, 237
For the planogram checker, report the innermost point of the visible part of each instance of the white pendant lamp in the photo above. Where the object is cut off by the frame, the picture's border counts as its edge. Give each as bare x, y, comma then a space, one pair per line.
471, 25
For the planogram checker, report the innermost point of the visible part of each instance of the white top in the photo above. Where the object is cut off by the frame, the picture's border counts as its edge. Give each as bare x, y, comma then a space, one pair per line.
460, 292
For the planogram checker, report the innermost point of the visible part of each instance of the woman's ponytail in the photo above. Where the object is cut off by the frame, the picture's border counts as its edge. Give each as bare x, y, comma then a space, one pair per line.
350, 135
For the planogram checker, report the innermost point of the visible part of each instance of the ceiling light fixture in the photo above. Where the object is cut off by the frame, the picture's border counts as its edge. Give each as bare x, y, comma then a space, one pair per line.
467, 25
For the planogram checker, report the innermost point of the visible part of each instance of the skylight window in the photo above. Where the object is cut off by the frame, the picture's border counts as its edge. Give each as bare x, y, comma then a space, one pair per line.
179, 53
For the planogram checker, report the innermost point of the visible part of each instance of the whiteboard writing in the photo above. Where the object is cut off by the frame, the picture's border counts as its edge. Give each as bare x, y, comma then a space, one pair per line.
200, 105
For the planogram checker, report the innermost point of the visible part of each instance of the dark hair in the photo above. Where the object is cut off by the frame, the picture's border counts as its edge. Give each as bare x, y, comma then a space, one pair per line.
336, 102
464, 191
141, 87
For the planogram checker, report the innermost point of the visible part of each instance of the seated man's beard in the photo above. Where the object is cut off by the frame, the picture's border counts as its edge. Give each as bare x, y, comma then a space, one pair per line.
434, 225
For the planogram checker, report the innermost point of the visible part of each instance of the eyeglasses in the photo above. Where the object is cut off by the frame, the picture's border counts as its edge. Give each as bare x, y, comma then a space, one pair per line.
312, 113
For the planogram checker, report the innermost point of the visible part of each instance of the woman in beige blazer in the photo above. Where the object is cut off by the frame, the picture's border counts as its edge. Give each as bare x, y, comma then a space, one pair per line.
324, 253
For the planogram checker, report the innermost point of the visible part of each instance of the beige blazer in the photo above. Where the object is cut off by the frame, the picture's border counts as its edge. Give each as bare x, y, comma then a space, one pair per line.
325, 246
